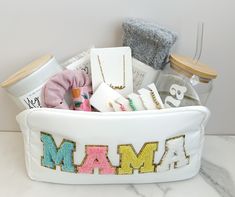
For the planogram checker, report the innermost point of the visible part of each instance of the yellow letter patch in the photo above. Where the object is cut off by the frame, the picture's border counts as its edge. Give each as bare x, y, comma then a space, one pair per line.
130, 160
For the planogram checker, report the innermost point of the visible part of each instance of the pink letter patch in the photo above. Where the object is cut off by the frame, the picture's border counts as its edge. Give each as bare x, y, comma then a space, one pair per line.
96, 157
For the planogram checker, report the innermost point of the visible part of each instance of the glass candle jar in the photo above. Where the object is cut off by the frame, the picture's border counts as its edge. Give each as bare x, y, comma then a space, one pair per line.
24, 87
185, 82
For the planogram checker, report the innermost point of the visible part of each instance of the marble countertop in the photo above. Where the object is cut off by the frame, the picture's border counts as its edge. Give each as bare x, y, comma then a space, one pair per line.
216, 177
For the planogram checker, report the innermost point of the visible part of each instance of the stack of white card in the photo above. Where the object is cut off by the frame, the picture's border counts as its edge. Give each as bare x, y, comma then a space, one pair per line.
119, 81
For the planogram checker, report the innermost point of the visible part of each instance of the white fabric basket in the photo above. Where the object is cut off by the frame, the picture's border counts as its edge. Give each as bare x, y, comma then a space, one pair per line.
120, 147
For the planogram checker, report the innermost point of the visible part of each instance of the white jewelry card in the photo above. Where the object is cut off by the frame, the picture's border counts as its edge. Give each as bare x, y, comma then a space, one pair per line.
102, 97
112, 66
143, 74
146, 99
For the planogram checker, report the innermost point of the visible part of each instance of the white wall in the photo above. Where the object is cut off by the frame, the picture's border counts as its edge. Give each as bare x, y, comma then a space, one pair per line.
29, 29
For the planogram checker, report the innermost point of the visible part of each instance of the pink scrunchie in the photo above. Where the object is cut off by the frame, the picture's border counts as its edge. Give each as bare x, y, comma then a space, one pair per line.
53, 92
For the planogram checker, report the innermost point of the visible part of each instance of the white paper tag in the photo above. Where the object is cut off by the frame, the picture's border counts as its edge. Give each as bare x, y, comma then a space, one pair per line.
32, 99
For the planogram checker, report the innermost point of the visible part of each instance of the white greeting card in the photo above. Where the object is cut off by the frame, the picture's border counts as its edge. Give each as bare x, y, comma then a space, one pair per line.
143, 74
79, 62
112, 66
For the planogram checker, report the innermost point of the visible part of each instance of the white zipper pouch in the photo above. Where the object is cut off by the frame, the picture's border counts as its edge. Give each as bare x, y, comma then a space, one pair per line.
72, 147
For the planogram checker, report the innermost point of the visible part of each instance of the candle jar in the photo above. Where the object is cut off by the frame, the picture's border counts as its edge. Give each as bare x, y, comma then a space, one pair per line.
185, 82
24, 87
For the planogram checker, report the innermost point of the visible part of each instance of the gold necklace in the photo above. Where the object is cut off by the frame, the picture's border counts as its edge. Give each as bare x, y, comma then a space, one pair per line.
119, 87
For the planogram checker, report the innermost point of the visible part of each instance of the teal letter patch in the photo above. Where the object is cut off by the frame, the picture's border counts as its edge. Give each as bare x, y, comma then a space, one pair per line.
53, 156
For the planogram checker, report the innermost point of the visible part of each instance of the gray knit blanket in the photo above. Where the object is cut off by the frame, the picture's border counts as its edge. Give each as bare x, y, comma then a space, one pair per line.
150, 43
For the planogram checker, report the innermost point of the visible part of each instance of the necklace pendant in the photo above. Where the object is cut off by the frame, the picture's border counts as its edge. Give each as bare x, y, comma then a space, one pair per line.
124, 72
121, 87
117, 87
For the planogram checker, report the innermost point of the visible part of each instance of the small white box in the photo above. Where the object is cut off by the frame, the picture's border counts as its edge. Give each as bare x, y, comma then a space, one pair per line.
143, 74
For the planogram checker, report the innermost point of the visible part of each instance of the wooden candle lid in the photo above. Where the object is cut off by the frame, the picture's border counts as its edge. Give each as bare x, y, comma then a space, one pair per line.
26, 71
189, 67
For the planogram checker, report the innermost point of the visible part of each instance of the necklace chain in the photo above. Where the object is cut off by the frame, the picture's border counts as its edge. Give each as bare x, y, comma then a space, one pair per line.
119, 87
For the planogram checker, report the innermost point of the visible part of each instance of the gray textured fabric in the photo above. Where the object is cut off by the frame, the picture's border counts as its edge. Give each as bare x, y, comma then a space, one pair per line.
150, 43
